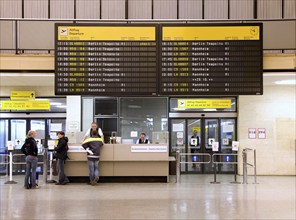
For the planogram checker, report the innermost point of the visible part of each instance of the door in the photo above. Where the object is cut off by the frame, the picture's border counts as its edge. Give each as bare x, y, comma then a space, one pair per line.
195, 137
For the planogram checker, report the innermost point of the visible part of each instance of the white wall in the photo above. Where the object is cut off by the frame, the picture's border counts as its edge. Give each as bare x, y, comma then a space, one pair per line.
275, 111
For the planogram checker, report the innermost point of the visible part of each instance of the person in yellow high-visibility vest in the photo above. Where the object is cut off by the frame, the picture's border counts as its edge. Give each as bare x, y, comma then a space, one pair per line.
93, 146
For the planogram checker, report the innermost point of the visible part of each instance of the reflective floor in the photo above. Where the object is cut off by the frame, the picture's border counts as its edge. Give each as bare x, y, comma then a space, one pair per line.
193, 198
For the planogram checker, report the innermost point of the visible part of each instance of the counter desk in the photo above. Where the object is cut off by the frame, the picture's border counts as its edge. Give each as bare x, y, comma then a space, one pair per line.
122, 160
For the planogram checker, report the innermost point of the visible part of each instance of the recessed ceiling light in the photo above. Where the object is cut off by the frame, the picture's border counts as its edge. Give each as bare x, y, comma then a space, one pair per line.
286, 82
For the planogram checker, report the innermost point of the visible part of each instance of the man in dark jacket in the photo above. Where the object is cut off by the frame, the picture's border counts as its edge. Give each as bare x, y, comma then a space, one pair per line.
30, 149
93, 146
61, 155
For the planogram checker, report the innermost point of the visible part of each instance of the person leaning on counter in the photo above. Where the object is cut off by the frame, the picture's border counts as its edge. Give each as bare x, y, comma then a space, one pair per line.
93, 146
143, 139
94, 127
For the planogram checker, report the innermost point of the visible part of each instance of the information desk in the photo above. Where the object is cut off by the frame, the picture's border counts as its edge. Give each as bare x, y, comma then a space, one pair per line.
122, 160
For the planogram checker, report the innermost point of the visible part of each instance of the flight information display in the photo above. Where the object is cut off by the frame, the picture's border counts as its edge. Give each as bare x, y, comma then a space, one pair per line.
211, 60
158, 59
108, 60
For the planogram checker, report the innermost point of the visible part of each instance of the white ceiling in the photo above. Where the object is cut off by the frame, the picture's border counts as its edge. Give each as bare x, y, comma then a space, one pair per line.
47, 79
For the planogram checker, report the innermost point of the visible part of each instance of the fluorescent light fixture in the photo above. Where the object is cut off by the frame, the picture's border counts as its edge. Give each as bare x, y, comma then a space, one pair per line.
61, 106
55, 103
286, 82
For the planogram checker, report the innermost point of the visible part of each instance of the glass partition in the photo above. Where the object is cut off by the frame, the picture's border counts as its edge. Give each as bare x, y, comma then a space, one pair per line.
148, 115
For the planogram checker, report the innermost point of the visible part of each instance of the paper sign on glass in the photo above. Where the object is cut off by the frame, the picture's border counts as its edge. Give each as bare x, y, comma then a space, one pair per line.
211, 141
235, 145
178, 127
215, 146
10, 145
180, 134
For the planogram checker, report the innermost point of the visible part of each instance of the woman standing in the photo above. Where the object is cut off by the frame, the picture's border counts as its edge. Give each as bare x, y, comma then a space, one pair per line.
61, 155
30, 149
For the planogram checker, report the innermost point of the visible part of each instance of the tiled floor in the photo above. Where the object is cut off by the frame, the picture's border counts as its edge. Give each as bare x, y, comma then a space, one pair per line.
193, 198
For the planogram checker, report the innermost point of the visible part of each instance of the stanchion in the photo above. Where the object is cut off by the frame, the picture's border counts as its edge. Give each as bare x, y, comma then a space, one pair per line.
178, 157
235, 171
255, 168
50, 168
245, 171
215, 175
45, 165
10, 170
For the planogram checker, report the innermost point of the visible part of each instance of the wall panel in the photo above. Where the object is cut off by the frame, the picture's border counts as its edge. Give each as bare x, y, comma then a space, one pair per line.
269, 9
165, 9
7, 35
279, 35
241, 9
88, 9
140, 9
10, 8
43, 37
113, 9
189, 9
290, 9
61, 9
216, 9
35, 9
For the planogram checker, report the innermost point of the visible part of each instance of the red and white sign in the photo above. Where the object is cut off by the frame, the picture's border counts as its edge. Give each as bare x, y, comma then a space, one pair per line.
252, 133
261, 133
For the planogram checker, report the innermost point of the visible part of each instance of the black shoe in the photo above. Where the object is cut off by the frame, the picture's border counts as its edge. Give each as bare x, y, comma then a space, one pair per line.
58, 183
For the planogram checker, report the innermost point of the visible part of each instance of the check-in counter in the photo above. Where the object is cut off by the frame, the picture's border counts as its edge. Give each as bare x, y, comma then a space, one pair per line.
122, 160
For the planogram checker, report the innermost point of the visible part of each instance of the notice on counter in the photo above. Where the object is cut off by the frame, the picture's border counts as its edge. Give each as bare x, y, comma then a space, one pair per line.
148, 149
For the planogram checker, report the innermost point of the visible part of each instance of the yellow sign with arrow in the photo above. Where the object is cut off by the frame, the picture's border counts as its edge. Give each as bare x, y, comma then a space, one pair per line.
22, 95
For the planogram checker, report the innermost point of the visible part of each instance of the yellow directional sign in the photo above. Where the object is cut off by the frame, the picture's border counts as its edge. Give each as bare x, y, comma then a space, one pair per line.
204, 103
25, 105
22, 95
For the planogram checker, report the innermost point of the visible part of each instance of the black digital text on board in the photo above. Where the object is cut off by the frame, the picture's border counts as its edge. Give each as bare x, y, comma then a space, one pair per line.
163, 64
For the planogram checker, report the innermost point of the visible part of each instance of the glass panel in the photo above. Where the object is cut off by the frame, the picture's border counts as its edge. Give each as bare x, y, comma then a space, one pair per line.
3, 141
227, 136
203, 105
87, 113
108, 125
211, 132
39, 127
148, 115
178, 139
193, 137
105, 106
18, 131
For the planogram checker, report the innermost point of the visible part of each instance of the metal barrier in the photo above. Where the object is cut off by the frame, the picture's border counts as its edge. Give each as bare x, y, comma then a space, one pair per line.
10, 181
178, 161
224, 162
22, 155
11, 162
4, 161
246, 165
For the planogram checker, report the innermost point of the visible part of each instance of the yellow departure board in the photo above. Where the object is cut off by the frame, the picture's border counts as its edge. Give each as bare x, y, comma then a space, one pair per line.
105, 33
210, 33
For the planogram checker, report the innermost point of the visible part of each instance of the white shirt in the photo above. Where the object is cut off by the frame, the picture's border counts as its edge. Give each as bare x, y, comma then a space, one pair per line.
144, 143
87, 134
